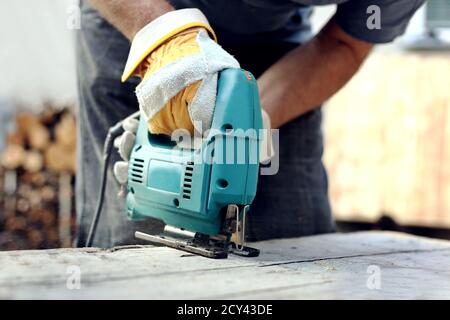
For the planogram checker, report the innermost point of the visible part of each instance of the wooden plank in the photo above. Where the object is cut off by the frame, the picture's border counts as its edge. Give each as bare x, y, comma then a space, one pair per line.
317, 267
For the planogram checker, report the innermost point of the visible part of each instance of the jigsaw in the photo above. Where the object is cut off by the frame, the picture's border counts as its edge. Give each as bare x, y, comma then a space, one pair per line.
202, 193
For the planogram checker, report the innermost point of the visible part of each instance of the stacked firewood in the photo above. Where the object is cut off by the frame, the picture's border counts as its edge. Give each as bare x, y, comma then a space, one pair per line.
37, 173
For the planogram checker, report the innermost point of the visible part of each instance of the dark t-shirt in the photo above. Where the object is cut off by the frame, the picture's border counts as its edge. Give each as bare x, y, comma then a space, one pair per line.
288, 20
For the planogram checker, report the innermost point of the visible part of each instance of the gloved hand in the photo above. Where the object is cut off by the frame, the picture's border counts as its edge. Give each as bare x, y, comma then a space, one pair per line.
178, 63
124, 145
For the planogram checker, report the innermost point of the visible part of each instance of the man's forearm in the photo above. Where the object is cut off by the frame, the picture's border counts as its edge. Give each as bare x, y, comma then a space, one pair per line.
310, 74
129, 16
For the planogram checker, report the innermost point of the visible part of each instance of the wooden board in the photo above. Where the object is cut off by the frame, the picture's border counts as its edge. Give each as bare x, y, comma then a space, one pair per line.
318, 267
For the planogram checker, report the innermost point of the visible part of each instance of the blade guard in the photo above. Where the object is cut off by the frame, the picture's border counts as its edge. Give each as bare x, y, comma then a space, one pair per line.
188, 188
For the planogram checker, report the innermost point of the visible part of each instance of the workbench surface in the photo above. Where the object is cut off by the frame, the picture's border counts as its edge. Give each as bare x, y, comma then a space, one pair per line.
363, 265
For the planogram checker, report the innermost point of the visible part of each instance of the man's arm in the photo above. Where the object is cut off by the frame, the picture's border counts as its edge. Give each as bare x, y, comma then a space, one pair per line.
311, 74
129, 16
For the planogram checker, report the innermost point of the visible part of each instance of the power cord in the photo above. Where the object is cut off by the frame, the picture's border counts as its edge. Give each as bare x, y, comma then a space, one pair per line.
113, 133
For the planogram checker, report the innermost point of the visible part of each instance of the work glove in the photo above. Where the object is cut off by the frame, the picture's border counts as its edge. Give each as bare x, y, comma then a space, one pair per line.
178, 61
124, 145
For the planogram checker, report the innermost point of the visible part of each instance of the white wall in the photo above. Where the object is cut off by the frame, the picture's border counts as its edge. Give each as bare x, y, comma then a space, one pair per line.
36, 51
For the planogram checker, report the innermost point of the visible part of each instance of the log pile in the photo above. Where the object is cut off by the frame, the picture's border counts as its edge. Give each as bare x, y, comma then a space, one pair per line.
37, 174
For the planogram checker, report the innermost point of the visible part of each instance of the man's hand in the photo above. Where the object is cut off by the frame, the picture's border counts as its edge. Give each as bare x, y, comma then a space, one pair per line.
178, 63
311, 74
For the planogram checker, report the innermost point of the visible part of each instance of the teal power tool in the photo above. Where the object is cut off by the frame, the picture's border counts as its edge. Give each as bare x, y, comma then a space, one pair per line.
203, 193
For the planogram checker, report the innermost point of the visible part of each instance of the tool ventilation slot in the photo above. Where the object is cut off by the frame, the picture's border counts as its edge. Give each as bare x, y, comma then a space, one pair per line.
137, 170
187, 182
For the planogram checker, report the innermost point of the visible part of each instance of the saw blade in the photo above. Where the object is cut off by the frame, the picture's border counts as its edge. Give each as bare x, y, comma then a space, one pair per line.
184, 245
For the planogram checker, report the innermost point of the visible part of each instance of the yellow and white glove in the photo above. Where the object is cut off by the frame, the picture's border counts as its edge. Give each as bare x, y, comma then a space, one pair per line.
178, 63
124, 145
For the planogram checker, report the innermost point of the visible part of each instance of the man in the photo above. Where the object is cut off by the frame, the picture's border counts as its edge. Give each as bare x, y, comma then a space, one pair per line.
296, 73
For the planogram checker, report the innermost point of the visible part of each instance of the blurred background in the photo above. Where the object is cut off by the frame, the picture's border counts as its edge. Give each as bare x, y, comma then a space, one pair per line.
387, 132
